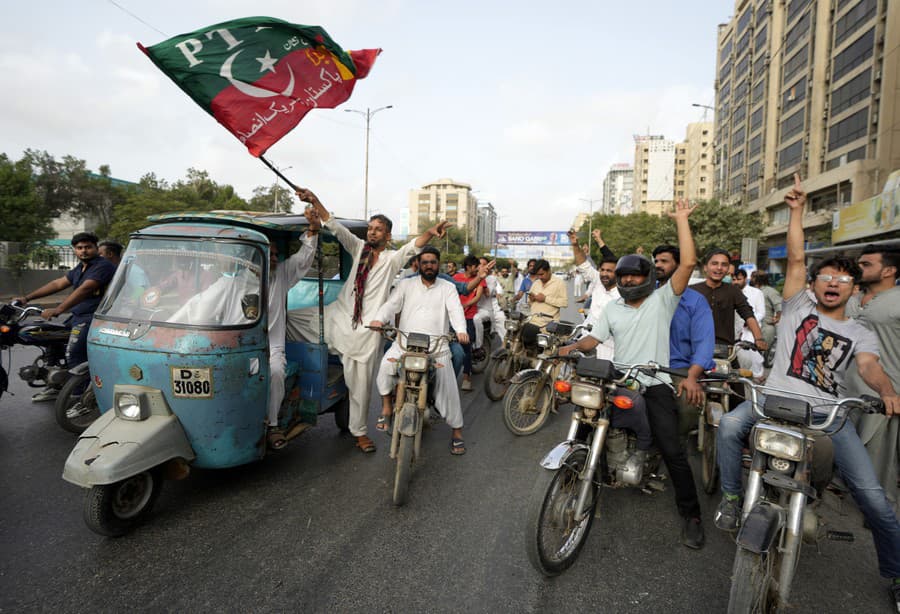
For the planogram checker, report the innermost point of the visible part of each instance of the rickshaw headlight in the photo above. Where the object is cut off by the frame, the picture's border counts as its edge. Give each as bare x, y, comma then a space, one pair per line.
543, 340
779, 443
128, 407
415, 363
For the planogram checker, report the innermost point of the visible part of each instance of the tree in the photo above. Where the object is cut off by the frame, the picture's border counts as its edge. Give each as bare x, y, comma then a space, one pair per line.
718, 225
272, 198
25, 218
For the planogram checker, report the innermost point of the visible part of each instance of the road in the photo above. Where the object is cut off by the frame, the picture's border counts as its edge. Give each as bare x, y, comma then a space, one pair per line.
312, 529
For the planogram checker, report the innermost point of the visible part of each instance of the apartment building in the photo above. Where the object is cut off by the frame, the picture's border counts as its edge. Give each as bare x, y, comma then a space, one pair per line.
808, 87
654, 173
443, 199
618, 187
694, 168
486, 225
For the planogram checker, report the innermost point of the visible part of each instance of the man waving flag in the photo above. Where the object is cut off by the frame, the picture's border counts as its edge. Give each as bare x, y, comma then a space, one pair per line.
259, 76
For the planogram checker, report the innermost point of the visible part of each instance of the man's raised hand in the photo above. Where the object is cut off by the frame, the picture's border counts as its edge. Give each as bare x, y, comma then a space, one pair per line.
796, 197
683, 208
440, 229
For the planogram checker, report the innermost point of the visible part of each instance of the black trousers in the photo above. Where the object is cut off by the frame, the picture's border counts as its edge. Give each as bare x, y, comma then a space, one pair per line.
663, 413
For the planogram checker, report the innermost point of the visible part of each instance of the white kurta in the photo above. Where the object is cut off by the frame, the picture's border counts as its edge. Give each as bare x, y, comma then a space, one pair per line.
285, 276
748, 359
429, 310
358, 347
600, 298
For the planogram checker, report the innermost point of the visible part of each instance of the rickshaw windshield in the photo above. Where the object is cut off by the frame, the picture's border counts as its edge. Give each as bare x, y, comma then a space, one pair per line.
185, 282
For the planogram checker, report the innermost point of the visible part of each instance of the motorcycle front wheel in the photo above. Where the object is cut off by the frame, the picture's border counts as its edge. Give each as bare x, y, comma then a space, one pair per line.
404, 469
76, 406
527, 406
496, 380
752, 583
115, 509
553, 537
480, 364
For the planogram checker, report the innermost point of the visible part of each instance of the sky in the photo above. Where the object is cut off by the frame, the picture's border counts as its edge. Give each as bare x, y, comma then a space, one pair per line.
528, 102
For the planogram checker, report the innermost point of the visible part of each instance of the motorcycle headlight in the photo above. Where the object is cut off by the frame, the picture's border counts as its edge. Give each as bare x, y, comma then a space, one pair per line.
415, 363
128, 407
587, 396
543, 340
779, 442
512, 325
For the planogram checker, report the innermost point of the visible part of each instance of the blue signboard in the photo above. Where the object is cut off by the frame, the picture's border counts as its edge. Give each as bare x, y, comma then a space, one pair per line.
528, 237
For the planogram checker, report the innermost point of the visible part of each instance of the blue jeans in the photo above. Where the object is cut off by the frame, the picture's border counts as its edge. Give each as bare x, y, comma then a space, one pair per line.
76, 350
852, 462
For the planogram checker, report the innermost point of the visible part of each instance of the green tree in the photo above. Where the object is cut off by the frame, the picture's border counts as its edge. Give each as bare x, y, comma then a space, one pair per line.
718, 225
272, 198
25, 218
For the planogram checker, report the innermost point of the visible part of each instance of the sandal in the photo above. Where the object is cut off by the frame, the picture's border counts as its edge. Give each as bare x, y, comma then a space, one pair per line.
365, 444
457, 447
275, 438
383, 423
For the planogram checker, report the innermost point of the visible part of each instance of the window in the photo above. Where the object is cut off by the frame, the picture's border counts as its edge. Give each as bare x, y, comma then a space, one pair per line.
850, 93
755, 145
726, 50
790, 155
779, 216
793, 96
796, 63
753, 172
792, 125
740, 114
743, 45
848, 130
759, 66
702, 179
857, 154
794, 9
854, 19
740, 92
738, 138
753, 193
854, 55
725, 71
702, 190
744, 21
756, 118
760, 41
759, 90
737, 160
799, 31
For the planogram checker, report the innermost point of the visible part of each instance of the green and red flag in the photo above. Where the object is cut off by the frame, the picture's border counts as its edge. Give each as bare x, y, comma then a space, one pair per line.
259, 76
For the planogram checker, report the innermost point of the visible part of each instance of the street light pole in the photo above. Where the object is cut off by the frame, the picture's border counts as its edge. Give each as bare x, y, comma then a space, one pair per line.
368, 113
591, 202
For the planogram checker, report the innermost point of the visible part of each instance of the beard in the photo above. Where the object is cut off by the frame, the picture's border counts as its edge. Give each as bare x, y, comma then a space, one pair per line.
429, 275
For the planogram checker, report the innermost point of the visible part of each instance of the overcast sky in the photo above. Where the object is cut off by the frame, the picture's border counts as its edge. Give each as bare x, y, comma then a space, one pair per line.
529, 102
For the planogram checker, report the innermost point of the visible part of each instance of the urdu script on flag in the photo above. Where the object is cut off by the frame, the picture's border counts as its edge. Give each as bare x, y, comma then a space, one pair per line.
258, 76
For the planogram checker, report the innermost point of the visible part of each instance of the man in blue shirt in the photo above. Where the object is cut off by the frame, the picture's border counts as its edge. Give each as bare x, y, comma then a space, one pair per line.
89, 279
692, 334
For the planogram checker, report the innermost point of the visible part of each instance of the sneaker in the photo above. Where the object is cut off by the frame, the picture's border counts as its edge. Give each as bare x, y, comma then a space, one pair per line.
47, 394
692, 533
895, 593
466, 385
728, 514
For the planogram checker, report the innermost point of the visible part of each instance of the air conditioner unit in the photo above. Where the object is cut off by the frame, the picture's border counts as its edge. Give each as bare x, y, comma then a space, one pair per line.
877, 75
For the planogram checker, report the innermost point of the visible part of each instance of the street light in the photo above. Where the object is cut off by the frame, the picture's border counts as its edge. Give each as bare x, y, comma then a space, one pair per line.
705, 107
368, 113
275, 188
591, 202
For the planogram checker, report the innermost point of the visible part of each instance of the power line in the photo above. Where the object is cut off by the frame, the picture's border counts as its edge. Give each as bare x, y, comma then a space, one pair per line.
127, 12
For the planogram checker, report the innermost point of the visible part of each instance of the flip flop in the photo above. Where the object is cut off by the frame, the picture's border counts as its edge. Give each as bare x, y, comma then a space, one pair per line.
457, 446
365, 444
383, 424
275, 438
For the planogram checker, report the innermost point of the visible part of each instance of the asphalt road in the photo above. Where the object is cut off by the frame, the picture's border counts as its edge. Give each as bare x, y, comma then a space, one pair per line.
313, 529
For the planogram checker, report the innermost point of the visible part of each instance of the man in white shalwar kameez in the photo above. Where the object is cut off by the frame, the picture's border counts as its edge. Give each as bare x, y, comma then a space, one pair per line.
428, 305
344, 323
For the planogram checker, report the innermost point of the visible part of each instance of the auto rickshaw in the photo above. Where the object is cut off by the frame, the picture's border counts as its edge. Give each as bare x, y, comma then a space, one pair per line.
179, 357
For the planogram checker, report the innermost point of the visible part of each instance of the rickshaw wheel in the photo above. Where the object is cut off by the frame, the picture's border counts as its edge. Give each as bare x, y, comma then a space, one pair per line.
342, 415
113, 510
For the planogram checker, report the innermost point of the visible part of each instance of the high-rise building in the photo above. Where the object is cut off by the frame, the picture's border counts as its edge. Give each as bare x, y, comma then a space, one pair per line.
654, 173
443, 199
486, 227
617, 190
694, 166
808, 87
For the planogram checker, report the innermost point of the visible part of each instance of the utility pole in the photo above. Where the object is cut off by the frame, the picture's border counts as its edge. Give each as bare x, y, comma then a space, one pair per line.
368, 113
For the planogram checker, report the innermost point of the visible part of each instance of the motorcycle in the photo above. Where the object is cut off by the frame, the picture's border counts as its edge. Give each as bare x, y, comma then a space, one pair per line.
413, 400
519, 351
594, 455
481, 357
49, 369
717, 403
537, 392
792, 464
76, 406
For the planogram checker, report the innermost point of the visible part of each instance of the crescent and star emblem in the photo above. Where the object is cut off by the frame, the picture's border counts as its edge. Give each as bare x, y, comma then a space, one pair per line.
252, 90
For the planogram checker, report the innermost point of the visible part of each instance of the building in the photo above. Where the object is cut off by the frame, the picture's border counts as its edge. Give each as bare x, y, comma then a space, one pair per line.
486, 225
580, 220
654, 173
443, 199
694, 168
617, 190
808, 87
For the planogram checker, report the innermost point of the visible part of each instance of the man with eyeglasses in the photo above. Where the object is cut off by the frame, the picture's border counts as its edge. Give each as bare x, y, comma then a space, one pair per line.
815, 344
428, 305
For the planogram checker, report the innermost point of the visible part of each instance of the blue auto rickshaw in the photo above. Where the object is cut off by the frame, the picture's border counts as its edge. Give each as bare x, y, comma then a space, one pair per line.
179, 357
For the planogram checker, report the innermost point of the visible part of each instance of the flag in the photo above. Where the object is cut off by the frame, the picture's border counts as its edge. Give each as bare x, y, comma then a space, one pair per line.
259, 76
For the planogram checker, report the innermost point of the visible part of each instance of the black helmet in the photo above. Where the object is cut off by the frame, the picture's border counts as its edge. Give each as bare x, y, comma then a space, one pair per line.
635, 264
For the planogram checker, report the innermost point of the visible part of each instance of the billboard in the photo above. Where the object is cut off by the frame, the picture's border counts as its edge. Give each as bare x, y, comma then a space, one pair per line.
530, 237
872, 216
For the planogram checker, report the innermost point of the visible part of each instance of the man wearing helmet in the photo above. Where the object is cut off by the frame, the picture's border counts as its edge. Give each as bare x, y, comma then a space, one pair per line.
639, 323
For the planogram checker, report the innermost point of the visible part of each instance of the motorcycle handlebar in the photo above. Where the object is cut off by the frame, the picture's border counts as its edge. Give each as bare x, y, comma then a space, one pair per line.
398, 335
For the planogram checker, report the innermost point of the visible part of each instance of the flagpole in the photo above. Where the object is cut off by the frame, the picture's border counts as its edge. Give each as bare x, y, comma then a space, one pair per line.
278, 172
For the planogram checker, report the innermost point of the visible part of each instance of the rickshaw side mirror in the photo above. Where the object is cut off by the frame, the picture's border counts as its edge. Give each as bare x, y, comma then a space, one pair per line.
250, 306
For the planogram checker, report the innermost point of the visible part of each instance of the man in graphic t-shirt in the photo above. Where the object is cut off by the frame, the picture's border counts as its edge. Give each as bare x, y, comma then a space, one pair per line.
815, 343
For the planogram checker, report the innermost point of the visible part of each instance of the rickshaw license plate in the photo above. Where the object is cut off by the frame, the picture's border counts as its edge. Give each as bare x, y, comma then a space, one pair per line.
192, 383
